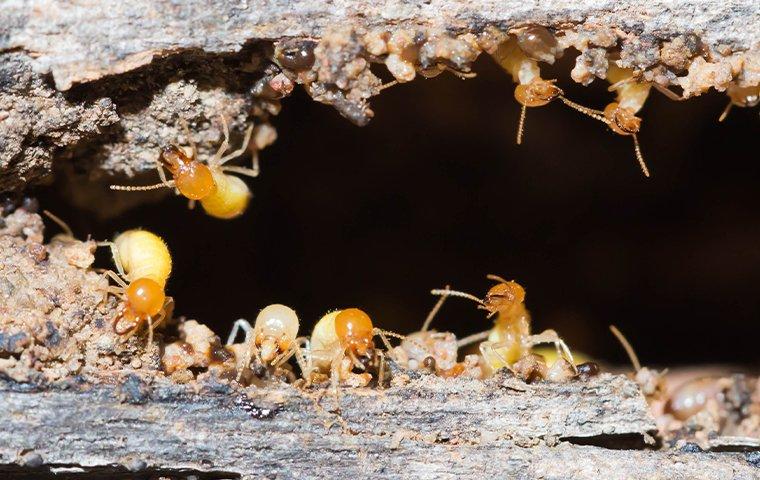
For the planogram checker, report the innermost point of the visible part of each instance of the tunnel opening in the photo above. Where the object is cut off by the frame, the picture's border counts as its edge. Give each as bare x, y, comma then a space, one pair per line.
435, 191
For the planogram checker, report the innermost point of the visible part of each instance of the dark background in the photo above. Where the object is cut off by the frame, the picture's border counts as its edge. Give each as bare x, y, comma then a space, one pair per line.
436, 191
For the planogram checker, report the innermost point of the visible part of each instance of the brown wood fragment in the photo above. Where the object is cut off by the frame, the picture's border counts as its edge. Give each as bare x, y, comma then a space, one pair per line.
449, 427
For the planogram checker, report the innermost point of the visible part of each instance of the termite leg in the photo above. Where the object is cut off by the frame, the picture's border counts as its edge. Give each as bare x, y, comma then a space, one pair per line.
116, 278
474, 338
189, 137
550, 336
243, 324
248, 172
239, 151
490, 349
225, 144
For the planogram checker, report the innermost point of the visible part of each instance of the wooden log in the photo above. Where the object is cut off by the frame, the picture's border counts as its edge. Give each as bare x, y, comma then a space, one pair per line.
422, 427
102, 83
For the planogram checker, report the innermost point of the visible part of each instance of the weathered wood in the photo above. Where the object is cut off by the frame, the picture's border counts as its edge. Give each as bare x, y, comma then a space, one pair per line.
122, 72
81, 41
426, 427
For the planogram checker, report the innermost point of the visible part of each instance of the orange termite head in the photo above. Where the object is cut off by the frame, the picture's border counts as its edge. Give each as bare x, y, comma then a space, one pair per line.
355, 331
144, 297
621, 119
537, 93
503, 295
192, 178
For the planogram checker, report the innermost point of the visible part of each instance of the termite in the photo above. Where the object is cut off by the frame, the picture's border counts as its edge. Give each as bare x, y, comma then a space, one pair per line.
518, 56
631, 95
143, 265
691, 398
343, 341
510, 338
434, 351
272, 340
295, 55
744, 97
221, 195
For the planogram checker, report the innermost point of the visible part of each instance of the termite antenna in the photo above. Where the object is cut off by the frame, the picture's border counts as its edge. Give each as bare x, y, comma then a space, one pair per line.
627, 346
474, 338
521, 124
141, 188
435, 310
668, 93
456, 293
64, 226
387, 85
620, 83
595, 114
462, 75
496, 278
725, 112
639, 156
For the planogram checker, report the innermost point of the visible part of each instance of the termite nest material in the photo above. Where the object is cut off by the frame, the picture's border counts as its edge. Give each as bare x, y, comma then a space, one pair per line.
125, 120
337, 68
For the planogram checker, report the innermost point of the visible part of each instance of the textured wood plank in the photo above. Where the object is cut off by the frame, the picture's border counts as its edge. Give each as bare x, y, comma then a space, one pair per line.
426, 428
80, 41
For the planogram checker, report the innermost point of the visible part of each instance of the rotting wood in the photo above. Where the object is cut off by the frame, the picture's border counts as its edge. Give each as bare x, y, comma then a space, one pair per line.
423, 427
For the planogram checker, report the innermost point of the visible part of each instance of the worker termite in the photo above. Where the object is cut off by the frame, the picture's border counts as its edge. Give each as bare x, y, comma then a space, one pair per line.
341, 342
221, 195
690, 398
296, 55
741, 97
143, 264
518, 55
510, 339
434, 351
272, 340
631, 94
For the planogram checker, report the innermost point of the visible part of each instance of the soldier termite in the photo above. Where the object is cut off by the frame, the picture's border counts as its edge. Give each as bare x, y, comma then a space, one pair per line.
510, 338
143, 265
518, 56
221, 195
744, 97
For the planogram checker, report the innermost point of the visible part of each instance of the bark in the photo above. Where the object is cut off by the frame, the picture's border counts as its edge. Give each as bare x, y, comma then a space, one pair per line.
421, 427
102, 84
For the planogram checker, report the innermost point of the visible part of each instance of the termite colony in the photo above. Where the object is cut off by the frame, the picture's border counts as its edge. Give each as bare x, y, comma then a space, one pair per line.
337, 69
342, 350
347, 347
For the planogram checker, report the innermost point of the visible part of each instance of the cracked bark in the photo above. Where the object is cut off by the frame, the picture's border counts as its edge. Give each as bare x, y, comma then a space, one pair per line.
421, 427
79, 84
